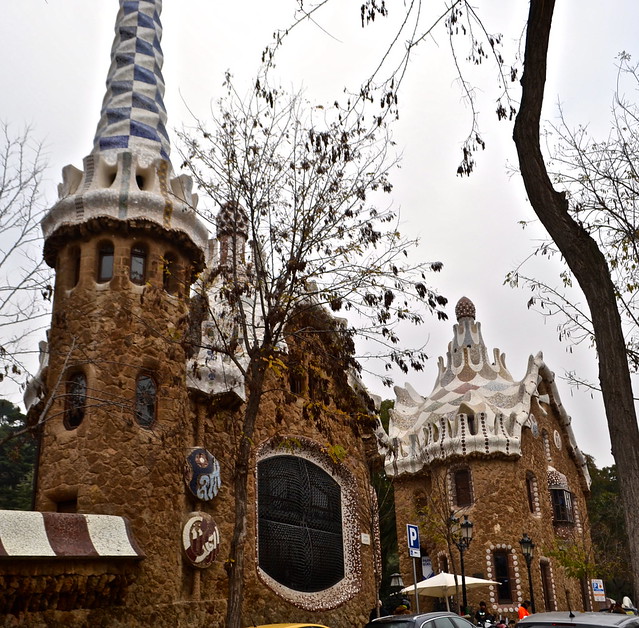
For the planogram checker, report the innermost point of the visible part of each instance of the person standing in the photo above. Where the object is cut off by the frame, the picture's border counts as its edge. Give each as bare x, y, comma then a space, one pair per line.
482, 615
523, 609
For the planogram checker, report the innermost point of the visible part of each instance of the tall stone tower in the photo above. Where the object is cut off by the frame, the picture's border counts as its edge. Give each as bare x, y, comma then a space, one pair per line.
125, 243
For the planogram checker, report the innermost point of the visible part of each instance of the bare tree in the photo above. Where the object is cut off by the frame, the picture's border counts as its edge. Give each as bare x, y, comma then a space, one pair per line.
601, 182
301, 183
589, 265
24, 279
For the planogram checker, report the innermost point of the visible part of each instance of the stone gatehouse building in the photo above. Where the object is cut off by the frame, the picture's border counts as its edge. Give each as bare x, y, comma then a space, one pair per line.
502, 453
138, 420
138, 417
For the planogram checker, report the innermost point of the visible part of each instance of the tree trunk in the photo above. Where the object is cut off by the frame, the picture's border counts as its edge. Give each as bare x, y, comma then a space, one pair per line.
590, 268
235, 564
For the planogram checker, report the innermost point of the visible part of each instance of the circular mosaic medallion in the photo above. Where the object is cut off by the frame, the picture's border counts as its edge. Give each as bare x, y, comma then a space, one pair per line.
534, 427
200, 539
557, 439
202, 474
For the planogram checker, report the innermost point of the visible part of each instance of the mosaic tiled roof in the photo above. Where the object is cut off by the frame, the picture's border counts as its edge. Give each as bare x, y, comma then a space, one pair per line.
232, 218
476, 407
133, 112
128, 175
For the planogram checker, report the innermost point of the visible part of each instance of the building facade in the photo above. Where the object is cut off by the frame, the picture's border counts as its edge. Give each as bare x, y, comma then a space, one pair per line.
139, 418
502, 453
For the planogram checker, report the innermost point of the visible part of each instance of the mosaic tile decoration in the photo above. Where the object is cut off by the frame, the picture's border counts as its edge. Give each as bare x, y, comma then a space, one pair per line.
133, 112
476, 407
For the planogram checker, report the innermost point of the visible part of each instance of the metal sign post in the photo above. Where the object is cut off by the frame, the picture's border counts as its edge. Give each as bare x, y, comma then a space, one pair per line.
414, 551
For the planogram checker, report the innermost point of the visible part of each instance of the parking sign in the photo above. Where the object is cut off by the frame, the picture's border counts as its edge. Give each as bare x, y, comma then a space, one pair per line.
412, 532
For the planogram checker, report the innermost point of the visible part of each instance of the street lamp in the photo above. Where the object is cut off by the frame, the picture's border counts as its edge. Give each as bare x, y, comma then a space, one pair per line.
527, 547
395, 586
462, 537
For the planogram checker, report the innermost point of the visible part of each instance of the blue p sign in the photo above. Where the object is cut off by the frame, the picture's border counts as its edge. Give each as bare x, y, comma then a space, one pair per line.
412, 532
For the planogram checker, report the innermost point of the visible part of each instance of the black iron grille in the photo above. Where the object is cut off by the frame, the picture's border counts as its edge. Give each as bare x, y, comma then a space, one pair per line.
299, 524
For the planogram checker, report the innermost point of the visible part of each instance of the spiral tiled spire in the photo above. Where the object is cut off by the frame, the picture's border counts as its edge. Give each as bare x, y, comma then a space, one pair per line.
133, 113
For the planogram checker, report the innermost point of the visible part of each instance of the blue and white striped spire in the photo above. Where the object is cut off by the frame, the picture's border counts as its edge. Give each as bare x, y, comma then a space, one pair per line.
128, 177
133, 115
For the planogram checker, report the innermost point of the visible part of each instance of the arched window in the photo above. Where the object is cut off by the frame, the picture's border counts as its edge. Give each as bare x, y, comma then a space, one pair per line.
300, 530
138, 265
170, 279
145, 400
503, 575
462, 488
75, 400
105, 262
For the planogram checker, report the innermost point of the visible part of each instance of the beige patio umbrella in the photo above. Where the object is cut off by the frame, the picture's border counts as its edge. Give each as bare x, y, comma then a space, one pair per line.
443, 585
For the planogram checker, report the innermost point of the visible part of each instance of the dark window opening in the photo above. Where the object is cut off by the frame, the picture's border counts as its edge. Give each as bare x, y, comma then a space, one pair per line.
139, 179
300, 537
472, 424
105, 262
67, 505
75, 266
463, 493
546, 586
138, 265
170, 279
502, 575
76, 394
296, 383
530, 491
562, 510
145, 400
443, 563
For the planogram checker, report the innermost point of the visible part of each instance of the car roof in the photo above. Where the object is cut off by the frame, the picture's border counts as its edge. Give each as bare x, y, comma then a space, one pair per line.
293, 625
389, 619
578, 619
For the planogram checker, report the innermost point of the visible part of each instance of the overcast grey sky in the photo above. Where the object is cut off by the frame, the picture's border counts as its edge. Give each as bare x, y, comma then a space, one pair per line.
56, 53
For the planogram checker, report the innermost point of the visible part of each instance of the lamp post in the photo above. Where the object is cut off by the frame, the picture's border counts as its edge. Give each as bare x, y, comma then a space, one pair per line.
527, 547
395, 586
462, 537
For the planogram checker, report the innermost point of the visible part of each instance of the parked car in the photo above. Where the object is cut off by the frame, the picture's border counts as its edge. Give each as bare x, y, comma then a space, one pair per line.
567, 619
423, 620
302, 625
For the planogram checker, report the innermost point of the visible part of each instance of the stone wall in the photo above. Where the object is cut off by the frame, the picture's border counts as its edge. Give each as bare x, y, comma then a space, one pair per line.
302, 424
112, 332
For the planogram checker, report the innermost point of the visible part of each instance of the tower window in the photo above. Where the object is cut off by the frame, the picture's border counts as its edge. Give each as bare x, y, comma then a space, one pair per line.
300, 531
145, 400
170, 279
462, 488
75, 400
105, 262
138, 265
75, 257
